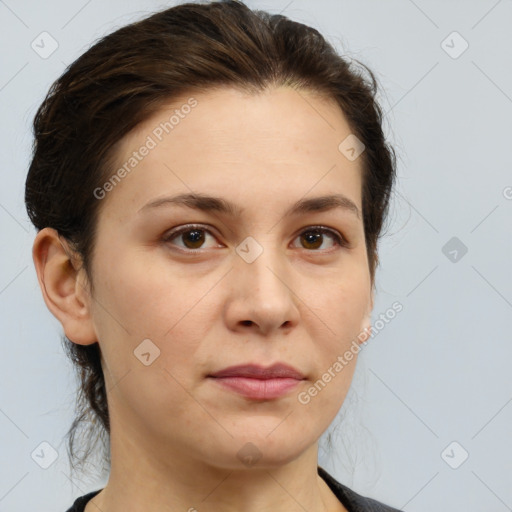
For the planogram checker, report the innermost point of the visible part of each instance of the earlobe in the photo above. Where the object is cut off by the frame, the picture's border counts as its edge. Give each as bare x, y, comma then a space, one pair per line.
61, 283
366, 333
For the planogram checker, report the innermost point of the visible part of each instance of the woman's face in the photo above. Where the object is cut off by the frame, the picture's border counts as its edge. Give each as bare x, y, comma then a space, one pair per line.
250, 283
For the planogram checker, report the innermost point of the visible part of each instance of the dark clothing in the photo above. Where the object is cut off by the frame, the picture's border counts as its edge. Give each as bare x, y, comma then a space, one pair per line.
79, 504
352, 501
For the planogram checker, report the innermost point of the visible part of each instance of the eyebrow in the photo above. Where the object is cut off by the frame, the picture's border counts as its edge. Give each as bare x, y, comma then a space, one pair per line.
217, 204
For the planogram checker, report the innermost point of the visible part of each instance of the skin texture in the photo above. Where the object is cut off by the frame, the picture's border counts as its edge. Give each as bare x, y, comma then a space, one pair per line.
175, 434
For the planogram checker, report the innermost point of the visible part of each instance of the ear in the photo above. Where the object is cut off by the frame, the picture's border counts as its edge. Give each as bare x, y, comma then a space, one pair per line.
64, 286
366, 324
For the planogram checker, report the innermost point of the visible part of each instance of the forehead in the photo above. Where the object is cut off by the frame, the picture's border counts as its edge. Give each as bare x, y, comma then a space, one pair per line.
275, 145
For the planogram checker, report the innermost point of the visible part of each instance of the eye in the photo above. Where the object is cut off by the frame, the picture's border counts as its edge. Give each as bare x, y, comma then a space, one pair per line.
314, 236
192, 237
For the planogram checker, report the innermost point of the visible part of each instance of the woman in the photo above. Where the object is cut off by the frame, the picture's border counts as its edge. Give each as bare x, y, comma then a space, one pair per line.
209, 185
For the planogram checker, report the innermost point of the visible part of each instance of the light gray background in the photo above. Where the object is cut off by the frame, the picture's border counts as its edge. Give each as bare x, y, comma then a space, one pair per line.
439, 371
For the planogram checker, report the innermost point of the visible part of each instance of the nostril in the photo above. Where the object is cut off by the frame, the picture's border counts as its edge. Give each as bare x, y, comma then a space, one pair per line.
247, 322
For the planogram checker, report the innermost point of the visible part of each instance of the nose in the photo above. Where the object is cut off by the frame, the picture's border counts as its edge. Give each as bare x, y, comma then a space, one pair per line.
262, 296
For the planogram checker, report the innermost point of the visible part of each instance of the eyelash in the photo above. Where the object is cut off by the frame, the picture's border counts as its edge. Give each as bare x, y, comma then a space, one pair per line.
339, 239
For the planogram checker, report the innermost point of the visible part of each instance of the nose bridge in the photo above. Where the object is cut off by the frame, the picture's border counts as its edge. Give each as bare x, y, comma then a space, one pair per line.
263, 281
262, 263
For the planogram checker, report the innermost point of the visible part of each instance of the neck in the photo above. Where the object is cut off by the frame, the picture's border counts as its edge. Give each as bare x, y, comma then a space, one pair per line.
145, 478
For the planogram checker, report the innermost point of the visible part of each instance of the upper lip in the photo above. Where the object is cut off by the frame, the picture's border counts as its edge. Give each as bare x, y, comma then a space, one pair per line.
255, 371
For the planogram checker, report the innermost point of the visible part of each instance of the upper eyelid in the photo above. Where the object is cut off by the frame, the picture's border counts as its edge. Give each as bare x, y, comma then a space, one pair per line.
188, 227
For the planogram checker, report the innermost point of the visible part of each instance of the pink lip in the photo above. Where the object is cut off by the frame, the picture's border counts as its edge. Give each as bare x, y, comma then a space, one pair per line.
257, 382
258, 389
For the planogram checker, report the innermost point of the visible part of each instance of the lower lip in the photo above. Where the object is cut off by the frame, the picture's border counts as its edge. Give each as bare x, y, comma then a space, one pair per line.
258, 389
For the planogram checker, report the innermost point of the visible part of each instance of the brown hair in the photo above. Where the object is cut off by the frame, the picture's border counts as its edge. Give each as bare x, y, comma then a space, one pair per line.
127, 75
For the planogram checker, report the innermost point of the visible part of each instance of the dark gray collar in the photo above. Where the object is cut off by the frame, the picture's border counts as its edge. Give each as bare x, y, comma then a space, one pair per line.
352, 501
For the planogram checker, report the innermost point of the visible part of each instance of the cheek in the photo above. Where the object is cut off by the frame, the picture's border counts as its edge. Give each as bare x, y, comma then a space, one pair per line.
139, 300
335, 350
344, 303
341, 311
324, 396
147, 296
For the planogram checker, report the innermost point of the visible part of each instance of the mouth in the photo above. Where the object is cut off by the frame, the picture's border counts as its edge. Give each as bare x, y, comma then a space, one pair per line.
257, 382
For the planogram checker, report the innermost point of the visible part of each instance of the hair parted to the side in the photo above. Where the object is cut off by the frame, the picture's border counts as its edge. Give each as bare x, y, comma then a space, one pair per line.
126, 76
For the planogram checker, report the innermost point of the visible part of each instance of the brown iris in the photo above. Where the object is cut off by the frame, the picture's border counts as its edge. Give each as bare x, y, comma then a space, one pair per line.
312, 237
193, 238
